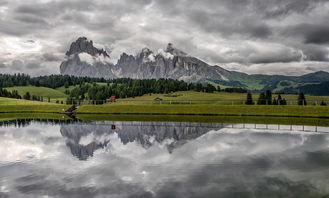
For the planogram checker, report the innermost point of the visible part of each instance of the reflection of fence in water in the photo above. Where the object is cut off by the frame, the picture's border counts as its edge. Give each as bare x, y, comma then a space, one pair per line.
212, 126
113, 125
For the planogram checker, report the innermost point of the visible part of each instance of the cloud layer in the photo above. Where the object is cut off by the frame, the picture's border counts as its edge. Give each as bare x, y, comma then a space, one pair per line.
252, 35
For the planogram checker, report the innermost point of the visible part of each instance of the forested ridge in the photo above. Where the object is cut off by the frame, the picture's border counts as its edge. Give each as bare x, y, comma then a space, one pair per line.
90, 88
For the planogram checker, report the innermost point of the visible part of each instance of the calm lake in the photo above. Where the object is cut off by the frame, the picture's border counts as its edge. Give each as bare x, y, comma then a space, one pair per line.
162, 159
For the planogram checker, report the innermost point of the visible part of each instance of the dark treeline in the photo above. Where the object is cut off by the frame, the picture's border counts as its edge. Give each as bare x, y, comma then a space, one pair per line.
56, 81
14, 94
52, 81
89, 89
126, 88
9, 94
266, 98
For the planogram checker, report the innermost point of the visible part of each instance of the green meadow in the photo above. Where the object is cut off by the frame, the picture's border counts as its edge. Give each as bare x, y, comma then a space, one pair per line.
217, 98
39, 91
185, 103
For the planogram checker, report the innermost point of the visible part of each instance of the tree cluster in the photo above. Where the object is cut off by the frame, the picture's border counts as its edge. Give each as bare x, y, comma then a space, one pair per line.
126, 88
52, 81
235, 90
266, 98
28, 96
9, 94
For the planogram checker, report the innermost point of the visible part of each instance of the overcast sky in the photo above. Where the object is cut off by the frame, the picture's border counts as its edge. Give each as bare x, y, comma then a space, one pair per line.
288, 37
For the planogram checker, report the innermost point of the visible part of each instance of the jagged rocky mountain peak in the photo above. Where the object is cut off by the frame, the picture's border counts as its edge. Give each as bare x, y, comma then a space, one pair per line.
86, 60
83, 45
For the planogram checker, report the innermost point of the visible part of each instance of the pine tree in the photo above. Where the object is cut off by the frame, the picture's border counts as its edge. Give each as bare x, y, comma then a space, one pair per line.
302, 99
279, 100
27, 96
218, 88
261, 99
249, 100
268, 97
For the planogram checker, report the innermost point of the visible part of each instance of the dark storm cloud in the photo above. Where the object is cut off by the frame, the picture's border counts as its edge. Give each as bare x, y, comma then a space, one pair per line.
219, 31
315, 52
314, 33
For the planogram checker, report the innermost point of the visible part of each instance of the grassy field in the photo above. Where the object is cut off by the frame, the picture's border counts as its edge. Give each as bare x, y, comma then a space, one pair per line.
222, 98
39, 91
62, 89
13, 116
165, 109
11, 101
207, 119
228, 110
33, 108
187, 103
184, 97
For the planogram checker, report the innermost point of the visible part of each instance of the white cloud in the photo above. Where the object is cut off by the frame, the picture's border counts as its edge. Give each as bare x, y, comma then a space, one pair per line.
165, 54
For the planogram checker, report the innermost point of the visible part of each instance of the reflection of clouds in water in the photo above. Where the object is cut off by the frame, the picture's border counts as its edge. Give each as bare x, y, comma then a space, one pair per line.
224, 163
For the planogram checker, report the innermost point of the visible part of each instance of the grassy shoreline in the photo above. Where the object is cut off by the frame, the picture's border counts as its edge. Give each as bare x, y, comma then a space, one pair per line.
209, 110
191, 110
173, 118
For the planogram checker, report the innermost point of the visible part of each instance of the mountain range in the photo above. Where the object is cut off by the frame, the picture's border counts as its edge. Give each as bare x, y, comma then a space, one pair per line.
84, 59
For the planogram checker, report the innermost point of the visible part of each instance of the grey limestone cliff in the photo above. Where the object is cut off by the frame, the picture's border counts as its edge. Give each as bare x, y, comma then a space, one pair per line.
83, 59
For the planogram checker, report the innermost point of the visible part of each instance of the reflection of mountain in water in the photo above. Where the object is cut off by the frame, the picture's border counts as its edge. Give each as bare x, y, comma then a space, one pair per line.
145, 133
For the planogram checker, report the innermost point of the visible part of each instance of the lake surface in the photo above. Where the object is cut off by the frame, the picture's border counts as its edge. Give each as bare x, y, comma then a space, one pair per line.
161, 159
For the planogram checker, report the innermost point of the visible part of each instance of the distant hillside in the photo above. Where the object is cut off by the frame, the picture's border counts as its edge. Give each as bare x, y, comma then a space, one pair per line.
278, 83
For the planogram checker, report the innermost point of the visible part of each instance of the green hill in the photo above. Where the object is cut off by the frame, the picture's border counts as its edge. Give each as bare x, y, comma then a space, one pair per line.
277, 83
39, 91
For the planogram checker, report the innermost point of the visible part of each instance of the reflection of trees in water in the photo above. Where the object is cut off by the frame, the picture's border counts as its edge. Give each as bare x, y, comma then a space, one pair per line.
27, 122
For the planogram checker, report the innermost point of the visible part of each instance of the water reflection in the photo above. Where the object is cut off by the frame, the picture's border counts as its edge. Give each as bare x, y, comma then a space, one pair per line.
84, 139
158, 159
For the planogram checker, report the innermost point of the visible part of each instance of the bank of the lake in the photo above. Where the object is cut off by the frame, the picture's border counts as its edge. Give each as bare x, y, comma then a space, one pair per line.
212, 110
171, 118
209, 110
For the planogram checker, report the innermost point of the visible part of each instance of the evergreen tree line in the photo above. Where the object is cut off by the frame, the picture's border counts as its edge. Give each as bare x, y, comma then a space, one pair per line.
126, 88
265, 98
52, 81
9, 94
56, 81
28, 96
14, 94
